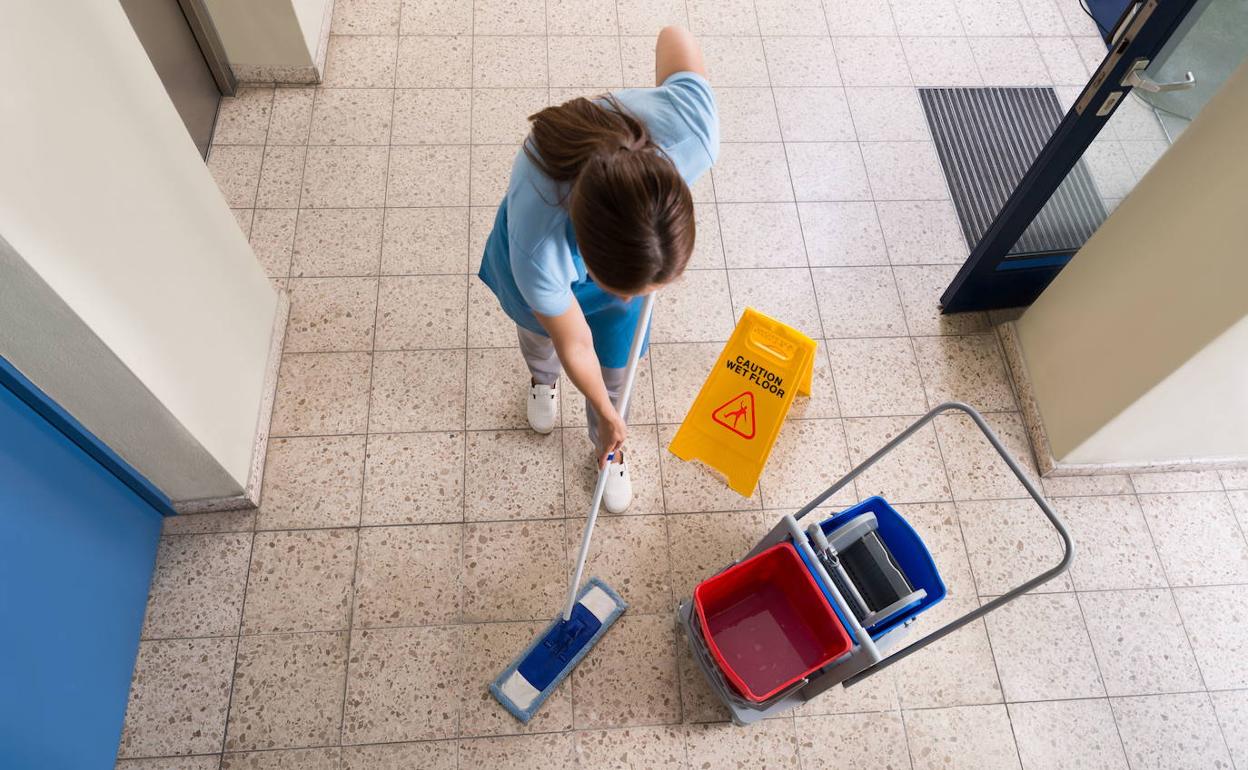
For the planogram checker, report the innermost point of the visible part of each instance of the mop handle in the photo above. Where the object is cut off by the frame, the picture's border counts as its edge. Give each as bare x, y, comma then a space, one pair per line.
634, 354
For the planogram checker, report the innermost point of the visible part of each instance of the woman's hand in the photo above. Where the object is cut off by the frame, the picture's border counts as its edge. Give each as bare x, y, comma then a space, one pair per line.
611, 432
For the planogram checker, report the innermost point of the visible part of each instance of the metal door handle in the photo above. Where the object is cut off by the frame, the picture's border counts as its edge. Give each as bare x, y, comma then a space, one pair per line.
1135, 79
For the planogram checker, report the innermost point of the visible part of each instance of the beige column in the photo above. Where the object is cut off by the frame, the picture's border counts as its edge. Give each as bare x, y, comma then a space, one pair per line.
1137, 354
282, 41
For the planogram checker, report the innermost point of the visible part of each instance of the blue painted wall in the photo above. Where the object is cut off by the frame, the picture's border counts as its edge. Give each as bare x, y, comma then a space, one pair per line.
77, 548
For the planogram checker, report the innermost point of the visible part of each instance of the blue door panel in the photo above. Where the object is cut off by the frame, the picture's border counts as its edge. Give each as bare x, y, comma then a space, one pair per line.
77, 548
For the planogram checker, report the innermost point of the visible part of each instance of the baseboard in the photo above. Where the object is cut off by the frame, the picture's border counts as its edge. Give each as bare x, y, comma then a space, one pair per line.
1049, 465
309, 74
250, 498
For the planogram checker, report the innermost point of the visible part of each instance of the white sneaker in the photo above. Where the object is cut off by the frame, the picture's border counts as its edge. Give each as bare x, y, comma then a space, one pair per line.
618, 493
543, 407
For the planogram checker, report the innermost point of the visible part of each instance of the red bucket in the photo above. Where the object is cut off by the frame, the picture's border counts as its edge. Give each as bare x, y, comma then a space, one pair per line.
767, 624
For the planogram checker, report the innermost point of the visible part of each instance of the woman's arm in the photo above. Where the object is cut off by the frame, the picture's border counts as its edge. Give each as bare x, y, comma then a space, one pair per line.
676, 50
574, 344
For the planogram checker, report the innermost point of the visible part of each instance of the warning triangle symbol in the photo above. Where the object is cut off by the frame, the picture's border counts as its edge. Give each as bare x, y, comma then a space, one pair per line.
737, 415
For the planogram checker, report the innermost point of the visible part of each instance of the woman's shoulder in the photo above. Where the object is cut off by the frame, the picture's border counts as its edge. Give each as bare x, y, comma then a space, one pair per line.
683, 118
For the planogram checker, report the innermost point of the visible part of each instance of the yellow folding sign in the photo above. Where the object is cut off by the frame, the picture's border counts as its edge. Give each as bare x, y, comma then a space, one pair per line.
736, 417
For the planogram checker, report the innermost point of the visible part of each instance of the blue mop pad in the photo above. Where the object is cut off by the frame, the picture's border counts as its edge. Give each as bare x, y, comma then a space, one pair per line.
526, 684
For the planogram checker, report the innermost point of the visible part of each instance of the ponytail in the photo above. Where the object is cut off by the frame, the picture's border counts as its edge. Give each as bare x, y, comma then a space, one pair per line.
565, 137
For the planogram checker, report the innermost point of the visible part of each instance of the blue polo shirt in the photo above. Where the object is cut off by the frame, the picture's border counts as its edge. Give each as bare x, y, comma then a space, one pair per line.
531, 260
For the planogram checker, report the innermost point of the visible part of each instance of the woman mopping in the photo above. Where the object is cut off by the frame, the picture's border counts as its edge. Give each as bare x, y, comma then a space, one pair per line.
597, 213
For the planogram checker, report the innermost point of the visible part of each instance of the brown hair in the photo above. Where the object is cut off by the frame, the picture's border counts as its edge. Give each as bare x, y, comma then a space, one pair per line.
630, 208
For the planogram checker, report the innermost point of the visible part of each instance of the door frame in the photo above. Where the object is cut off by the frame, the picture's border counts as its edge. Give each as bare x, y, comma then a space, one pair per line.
989, 279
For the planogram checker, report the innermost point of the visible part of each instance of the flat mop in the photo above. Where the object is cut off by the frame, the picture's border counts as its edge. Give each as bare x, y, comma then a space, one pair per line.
525, 685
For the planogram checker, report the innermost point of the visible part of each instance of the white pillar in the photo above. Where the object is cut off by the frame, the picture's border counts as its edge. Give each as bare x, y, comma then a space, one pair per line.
1137, 354
127, 292
281, 41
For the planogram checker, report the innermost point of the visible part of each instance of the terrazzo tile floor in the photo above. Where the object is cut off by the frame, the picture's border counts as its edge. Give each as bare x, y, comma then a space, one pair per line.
414, 534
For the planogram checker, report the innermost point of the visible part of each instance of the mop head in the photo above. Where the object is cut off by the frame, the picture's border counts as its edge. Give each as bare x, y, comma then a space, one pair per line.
526, 684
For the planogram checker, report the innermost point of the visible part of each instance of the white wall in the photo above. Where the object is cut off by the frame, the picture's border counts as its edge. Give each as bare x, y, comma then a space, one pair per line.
1138, 351
275, 36
103, 195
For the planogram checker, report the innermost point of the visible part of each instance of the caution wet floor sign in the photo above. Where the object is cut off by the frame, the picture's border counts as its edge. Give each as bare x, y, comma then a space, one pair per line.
738, 413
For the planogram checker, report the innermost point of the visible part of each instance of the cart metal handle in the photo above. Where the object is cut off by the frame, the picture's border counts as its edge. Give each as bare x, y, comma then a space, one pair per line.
975, 614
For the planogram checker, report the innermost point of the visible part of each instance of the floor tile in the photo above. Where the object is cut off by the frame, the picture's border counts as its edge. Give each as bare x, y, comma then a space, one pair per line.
1216, 620
352, 116
927, 17
856, 740
287, 691
408, 576
490, 173
807, 458
513, 570
1042, 649
498, 389
520, 752
647, 17
922, 232
344, 177
691, 486
443, 61
500, 115
1232, 710
920, 287
312, 482
427, 755
581, 17
1177, 481
432, 116
1009, 542
871, 61
629, 677
360, 61
237, 173
243, 118
1170, 731
1112, 541
637, 59
1067, 735
858, 302
970, 369
842, 234
941, 530
414, 478
736, 61
1087, 486
694, 308
888, 114
1235, 479
632, 747
1010, 61
769, 744
300, 581
790, 17
733, 17
418, 391
331, 314
1140, 642
966, 737
421, 312
196, 762
428, 175
956, 671
424, 241
813, 114
488, 326
828, 171
942, 62
292, 115
282, 759
337, 242
178, 697
244, 217
398, 685
518, 17
876, 376
976, 470
761, 235
580, 471
679, 371
321, 393
876, 694
272, 236
514, 474
1063, 61
582, 60
630, 554
911, 473
572, 403
208, 523
708, 248
801, 61
487, 649
1213, 553
904, 171
785, 294
509, 62
698, 703
703, 544
752, 172
1045, 18
992, 17
197, 586
366, 17
747, 115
